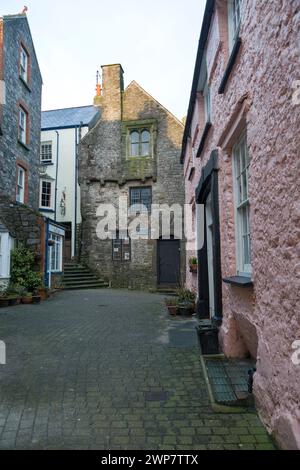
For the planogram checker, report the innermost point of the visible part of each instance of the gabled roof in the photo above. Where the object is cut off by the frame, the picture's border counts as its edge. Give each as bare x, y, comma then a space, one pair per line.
134, 83
69, 117
23, 16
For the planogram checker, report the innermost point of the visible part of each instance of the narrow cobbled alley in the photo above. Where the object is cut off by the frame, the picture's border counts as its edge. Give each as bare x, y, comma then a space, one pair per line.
110, 370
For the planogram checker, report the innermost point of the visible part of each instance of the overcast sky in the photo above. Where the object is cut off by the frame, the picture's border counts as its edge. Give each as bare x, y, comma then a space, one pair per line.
155, 41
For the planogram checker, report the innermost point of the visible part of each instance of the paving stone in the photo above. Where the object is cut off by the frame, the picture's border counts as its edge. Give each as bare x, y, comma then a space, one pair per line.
77, 378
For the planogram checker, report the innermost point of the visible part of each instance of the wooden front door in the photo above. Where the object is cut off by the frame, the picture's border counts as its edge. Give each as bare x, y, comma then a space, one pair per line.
168, 252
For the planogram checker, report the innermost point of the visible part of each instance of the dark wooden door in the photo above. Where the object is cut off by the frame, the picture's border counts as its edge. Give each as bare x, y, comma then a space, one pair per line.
168, 262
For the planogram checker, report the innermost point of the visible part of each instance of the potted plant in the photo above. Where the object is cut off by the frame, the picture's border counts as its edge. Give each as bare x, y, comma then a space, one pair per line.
4, 301
23, 273
193, 263
172, 306
27, 298
14, 294
186, 302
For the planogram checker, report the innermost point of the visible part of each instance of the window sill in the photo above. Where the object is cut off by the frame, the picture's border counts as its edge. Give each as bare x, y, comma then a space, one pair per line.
46, 209
139, 157
25, 146
25, 84
239, 281
46, 163
230, 65
207, 127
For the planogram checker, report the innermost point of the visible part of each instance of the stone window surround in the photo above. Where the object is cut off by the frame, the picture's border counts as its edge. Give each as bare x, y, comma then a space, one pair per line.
23, 46
129, 126
25, 167
22, 105
140, 188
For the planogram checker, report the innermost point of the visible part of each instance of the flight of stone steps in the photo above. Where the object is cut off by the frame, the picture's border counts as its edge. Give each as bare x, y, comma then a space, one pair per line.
77, 276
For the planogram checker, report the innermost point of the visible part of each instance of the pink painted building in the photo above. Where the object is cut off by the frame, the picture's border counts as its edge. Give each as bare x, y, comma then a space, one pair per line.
241, 160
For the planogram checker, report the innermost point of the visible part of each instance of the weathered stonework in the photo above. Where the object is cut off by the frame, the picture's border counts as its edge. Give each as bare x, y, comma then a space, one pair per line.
23, 223
105, 173
16, 32
263, 320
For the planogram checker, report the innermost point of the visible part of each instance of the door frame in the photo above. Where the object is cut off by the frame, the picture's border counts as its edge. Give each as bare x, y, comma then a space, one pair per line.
209, 184
159, 242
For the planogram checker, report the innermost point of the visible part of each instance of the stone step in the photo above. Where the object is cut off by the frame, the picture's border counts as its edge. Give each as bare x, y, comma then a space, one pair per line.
85, 286
83, 281
81, 275
77, 276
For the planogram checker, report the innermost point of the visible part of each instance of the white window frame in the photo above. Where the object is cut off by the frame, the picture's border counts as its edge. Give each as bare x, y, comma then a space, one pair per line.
46, 156
242, 204
41, 194
21, 178
24, 61
23, 117
56, 253
234, 20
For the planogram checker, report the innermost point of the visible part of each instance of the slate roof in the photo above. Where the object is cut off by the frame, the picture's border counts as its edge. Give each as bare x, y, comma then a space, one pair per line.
69, 117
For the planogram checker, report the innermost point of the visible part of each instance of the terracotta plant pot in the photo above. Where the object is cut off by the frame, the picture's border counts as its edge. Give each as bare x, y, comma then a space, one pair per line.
193, 268
43, 293
4, 302
27, 300
172, 309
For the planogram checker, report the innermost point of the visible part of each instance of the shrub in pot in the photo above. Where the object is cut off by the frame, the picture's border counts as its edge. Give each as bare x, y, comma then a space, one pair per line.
27, 299
23, 271
186, 302
172, 306
193, 263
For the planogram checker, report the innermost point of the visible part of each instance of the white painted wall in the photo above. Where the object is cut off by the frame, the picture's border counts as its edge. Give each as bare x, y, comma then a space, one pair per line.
6, 245
66, 175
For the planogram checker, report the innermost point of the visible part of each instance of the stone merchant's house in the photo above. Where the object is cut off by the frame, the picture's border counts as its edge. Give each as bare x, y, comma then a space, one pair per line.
133, 151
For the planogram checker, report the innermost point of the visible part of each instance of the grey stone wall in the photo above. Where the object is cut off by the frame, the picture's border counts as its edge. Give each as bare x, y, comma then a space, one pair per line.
105, 173
24, 225
15, 31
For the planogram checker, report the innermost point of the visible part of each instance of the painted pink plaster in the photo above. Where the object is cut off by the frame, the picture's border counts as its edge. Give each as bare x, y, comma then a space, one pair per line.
263, 320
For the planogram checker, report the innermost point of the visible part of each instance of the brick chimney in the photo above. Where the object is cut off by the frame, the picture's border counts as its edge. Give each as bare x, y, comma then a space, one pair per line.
112, 88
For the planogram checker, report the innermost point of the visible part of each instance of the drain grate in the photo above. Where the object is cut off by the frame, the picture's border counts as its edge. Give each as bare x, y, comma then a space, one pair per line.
157, 396
229, 380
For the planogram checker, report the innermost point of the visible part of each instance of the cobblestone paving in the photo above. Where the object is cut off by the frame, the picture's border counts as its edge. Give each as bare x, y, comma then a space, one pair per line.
109, 370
